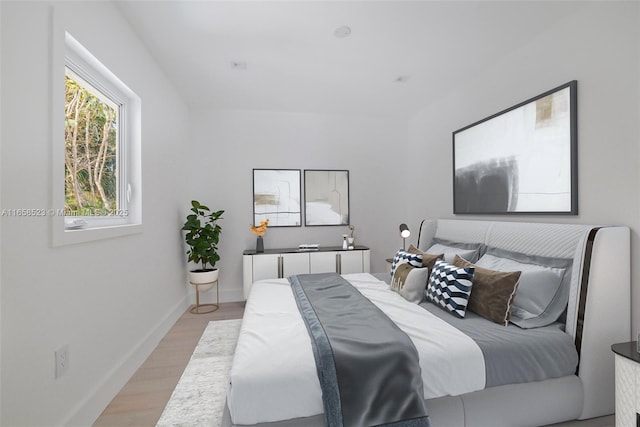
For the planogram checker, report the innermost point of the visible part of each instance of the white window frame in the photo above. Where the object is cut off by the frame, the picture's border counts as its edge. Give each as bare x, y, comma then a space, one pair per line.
69, 54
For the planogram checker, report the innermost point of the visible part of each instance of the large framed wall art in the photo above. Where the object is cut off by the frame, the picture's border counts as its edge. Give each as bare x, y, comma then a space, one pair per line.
326, 197
276, 197
522, 160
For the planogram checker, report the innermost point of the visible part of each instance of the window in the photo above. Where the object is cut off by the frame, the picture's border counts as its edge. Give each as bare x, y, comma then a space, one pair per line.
99, 159
91, 160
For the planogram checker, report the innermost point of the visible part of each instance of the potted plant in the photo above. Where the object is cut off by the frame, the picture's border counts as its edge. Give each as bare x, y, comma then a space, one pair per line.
259, 230
203, 235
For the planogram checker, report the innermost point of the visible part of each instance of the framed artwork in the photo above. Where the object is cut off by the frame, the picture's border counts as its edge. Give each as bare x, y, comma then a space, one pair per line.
276, 197
326, 197
522, 160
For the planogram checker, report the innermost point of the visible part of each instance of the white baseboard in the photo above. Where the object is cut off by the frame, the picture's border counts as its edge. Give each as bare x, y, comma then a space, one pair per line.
231, 295
89, 409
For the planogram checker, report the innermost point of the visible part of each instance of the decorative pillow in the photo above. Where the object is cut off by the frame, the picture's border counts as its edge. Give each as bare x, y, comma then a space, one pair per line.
468, 251
402, 256
449, 287
428, 260
543, 291
493, 292
410, 282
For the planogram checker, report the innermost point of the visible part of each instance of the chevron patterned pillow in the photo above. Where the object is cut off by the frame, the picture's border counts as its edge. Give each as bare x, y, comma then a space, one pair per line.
450, 286
402, 256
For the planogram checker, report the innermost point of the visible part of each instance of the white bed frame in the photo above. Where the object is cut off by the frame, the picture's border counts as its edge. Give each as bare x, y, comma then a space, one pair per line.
598, 315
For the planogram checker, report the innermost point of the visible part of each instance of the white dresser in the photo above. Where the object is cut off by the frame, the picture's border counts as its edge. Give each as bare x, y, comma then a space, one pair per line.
627, 384
279, 263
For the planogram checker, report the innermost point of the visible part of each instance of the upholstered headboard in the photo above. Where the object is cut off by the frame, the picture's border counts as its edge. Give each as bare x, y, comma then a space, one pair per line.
598, 312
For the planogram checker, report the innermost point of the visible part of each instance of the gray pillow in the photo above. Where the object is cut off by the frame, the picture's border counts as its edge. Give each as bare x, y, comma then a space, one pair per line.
543, 291
450, 251
472, 250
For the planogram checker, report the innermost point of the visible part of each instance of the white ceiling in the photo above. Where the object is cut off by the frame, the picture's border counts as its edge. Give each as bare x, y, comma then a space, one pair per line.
295, 63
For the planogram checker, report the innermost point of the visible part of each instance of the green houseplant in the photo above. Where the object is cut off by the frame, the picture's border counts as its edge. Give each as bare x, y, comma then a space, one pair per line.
202, 237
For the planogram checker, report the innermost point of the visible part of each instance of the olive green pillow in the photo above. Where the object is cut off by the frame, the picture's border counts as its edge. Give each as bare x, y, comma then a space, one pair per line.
493, 292
428, 260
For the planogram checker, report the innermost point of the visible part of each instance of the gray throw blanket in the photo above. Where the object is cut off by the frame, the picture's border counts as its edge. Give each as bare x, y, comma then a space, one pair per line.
368, 368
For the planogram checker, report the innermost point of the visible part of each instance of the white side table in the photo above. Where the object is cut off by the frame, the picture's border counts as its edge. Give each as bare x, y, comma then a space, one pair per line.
627, 384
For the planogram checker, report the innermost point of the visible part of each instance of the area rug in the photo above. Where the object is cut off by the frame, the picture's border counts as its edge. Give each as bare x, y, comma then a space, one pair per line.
200, 396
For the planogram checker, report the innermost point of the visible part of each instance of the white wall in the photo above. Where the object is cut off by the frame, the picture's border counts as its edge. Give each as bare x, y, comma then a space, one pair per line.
598, 46
229, 144
1, 138
111, 318
112, 300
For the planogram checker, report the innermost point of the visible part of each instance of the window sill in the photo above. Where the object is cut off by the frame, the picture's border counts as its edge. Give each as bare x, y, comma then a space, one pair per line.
62, 237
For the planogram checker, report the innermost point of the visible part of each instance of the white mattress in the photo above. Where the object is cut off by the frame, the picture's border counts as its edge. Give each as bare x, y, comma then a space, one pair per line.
274, 378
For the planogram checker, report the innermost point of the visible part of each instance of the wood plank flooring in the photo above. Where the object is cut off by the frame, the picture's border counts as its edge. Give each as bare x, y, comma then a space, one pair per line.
142, 400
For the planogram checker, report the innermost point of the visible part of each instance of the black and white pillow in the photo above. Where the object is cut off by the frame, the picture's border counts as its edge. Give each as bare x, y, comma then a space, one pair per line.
450, 286
402, 256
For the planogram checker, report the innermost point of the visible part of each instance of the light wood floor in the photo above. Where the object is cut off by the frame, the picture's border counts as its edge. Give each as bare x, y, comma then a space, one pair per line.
142, 400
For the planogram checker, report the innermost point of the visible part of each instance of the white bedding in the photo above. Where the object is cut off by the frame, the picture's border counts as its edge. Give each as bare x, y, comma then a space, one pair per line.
274, 378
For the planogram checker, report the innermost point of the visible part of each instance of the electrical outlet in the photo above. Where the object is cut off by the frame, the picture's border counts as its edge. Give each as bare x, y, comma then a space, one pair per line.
62, 360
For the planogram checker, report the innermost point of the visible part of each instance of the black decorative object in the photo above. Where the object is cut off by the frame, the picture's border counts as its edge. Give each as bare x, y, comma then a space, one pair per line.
259, 245
522, 160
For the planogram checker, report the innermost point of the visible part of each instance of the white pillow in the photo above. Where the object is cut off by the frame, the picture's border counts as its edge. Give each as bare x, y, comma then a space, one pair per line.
410, 282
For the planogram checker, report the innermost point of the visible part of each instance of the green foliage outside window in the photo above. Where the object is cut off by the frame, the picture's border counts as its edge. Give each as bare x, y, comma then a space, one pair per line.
91, 183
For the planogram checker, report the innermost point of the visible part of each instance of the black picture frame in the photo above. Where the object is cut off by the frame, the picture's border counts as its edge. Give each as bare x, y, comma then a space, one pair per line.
522, 160
277, 197
326, 197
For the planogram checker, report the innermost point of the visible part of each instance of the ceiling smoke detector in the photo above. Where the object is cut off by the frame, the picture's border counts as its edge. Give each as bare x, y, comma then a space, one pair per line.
238, 65
342, 32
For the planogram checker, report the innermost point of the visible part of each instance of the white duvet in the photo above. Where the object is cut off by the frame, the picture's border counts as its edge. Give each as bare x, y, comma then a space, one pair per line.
274, 377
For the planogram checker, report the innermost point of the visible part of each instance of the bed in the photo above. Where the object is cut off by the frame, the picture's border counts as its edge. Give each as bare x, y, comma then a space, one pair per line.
475, 372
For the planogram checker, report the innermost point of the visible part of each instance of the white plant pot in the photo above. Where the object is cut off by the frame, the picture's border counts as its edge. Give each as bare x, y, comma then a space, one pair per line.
203, 279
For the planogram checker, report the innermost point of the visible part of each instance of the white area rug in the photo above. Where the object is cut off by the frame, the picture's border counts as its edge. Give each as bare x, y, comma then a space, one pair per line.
199, 398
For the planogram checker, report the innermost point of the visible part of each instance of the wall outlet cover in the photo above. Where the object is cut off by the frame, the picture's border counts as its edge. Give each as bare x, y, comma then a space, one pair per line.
62, 360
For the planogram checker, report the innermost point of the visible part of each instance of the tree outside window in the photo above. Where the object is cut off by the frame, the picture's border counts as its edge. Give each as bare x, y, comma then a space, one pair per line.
91, 143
